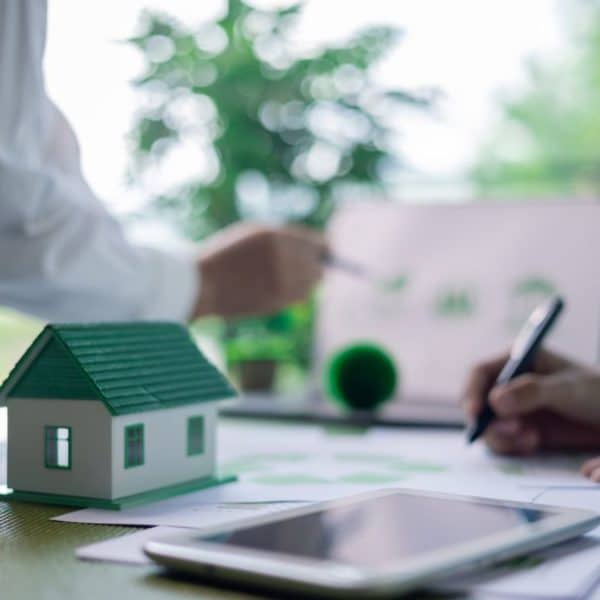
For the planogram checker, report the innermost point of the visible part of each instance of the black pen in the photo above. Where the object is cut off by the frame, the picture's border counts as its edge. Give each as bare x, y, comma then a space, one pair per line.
336, 262
521, 356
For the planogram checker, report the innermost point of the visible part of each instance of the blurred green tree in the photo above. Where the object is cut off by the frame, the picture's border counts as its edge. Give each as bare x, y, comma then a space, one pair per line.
548, 140
276, 132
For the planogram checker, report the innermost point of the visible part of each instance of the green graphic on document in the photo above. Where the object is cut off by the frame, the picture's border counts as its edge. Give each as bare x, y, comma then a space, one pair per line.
528, 293
359, 468
455, 302
396, 284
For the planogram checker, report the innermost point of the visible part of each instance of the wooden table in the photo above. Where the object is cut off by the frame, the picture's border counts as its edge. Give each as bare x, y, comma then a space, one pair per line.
37, 562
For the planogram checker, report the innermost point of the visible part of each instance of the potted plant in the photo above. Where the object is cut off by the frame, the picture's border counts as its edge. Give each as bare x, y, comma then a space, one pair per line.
257, 348
253, 349
253, 359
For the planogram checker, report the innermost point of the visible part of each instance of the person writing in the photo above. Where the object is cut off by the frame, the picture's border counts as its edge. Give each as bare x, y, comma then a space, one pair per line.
64, 258
555, 407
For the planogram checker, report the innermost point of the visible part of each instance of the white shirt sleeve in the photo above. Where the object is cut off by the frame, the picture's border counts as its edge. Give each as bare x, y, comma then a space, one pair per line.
62, 256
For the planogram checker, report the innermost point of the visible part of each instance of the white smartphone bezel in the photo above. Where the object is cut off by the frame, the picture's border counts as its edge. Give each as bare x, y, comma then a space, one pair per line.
329, 578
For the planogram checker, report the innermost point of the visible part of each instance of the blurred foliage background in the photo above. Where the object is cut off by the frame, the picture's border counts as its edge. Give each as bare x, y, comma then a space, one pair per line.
547, 143
16, 333
280, 131
283, 135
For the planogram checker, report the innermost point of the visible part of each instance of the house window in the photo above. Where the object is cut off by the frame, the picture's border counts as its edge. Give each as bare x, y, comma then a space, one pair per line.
57, 447
195, 436
134, 446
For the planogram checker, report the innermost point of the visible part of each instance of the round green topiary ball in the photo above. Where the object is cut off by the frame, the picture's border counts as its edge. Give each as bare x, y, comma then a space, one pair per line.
361, 377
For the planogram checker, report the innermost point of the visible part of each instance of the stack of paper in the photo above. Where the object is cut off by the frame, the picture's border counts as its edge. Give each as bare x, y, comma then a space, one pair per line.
278, 464
569, 570
282, 466
127, 549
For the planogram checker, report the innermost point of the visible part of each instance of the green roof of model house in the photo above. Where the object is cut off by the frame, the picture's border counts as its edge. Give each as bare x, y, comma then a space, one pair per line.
131, 367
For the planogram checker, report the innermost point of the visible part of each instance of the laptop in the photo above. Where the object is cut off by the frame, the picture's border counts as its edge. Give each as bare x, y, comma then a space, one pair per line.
465, 277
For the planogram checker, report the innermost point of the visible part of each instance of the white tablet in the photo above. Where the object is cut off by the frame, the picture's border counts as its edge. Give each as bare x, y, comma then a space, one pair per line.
372, 545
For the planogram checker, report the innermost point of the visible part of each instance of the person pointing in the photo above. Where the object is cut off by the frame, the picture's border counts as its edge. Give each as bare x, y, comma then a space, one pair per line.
64, 258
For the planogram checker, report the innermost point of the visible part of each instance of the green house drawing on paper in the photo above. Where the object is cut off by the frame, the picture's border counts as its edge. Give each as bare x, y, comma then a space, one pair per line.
455, 302
112, 415
527, 293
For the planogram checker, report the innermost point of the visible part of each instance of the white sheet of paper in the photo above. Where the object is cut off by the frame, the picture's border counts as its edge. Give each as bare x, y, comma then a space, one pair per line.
125, 549
569, 570
421, 459
594, 594
466, 278
194, 515
587, 499
292, 464
280, 465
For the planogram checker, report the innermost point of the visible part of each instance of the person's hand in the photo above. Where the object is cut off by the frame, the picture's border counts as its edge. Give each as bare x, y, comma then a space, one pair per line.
556, 407
250, 269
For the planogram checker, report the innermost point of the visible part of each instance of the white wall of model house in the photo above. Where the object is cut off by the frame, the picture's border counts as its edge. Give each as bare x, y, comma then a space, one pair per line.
98, 448
166, 461
90, 423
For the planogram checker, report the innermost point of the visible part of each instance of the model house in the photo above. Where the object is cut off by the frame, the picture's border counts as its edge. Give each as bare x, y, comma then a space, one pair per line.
111, 415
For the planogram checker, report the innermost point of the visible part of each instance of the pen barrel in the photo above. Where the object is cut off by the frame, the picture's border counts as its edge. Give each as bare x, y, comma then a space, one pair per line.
361, 377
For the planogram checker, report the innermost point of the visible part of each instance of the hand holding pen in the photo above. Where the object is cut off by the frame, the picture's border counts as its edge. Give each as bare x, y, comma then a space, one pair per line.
555, 406
521, 357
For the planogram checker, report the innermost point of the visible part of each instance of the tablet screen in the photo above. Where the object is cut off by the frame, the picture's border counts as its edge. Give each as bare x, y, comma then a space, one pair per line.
383, 530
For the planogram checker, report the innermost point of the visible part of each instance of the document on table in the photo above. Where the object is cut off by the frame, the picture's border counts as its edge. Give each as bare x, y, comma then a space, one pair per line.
569, 570
126, 549
294, 463
283, 466
586, 499
197, 515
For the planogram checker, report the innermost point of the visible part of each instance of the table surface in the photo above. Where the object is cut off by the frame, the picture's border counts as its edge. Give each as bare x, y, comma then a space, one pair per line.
37, 560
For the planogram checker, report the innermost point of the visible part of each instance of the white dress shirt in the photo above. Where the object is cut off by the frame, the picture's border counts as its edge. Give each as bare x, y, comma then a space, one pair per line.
62, 256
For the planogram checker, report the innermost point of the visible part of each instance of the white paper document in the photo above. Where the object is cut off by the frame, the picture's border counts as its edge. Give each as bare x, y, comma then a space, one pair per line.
586, 499
567, 571
282, 467
126, 549
195, 515
294, 464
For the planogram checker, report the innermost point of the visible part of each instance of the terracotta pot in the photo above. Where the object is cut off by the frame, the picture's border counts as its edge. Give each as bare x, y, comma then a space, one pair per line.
257, 375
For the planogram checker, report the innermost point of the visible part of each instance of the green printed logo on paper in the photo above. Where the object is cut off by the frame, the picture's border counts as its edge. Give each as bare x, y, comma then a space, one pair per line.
396, 284
456, 302
535, 286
